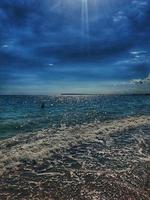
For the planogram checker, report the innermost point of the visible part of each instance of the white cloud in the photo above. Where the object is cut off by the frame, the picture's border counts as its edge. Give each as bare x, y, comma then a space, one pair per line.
5, 46
51, 64
138, 52
141, 86
141, 81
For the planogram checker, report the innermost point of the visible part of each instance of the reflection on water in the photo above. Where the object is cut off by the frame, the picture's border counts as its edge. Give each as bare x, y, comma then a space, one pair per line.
19, 114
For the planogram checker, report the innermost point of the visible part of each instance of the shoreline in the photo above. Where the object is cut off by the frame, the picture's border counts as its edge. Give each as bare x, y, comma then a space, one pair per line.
114, 154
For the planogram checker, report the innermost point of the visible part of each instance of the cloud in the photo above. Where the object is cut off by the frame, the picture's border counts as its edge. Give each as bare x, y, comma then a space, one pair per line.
141, 86
35, 34
29, 22
141, 81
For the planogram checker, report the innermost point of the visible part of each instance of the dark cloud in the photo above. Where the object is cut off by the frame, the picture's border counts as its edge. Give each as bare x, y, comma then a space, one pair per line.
141, 69
35, 33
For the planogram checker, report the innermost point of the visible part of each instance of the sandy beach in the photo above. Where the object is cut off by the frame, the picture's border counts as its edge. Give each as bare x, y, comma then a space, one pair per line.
96, 161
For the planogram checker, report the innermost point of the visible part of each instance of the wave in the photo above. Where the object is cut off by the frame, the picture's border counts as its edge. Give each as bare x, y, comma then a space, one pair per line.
108, 160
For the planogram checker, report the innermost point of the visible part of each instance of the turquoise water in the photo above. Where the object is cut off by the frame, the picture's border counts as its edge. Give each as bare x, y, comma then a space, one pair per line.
21, 114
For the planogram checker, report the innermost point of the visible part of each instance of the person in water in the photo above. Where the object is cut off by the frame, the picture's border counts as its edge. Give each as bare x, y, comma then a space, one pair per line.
43, 105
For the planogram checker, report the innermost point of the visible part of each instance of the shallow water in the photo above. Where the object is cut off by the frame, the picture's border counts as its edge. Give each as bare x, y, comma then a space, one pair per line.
107, 160
20, 114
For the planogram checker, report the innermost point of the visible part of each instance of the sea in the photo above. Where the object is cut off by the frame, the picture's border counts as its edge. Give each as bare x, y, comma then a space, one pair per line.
22, 114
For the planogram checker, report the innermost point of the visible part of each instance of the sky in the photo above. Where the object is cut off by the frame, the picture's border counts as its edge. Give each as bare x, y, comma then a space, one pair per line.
77, 46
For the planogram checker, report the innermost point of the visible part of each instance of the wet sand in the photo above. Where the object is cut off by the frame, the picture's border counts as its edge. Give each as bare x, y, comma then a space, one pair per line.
97, 161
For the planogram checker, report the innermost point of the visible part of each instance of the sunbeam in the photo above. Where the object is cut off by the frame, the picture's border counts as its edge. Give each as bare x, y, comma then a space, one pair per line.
85, 17
85, 22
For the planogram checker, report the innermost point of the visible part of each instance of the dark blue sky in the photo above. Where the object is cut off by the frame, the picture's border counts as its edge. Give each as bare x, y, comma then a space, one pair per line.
90, 46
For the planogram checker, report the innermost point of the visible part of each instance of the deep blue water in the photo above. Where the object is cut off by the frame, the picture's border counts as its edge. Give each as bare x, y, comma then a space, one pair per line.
20, 114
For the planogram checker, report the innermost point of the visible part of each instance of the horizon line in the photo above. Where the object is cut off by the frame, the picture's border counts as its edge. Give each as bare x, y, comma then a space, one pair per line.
75, 94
